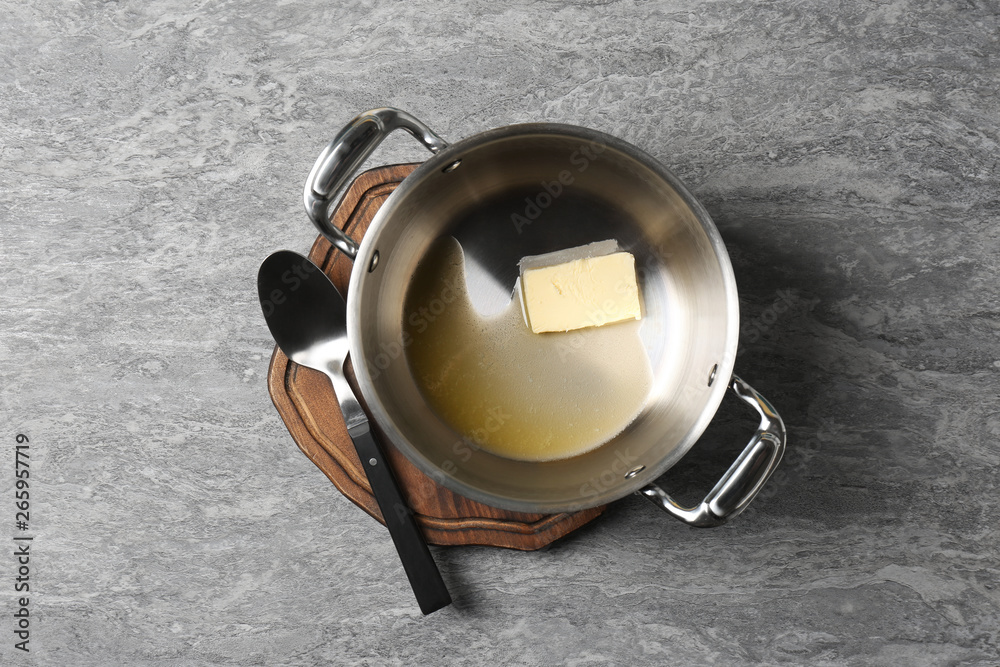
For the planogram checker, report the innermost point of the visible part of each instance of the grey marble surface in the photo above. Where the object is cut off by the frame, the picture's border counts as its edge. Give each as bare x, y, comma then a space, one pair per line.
152, 153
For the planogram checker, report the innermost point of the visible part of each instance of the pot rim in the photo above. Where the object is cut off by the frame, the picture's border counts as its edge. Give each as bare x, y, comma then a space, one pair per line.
721, 376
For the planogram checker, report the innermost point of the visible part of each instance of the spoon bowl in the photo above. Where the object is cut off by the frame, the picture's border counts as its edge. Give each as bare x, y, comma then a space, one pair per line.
307, 318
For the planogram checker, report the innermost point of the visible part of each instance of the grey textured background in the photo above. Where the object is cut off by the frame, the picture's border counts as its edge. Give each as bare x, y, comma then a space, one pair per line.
152, 153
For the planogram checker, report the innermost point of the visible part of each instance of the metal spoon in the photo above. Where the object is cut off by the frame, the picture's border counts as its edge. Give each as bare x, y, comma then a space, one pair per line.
308, 318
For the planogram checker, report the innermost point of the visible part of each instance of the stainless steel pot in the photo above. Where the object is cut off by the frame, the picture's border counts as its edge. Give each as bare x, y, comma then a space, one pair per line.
526, 190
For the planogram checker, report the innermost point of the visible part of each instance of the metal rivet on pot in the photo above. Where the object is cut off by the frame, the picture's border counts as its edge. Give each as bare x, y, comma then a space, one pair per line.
374, 262
452, 167
711, 376
372, 461
634, 471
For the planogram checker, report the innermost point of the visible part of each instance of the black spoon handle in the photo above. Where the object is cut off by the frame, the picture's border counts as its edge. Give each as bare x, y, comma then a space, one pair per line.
425, 579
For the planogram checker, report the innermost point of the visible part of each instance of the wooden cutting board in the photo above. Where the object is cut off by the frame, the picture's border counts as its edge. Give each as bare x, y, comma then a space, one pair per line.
309, 408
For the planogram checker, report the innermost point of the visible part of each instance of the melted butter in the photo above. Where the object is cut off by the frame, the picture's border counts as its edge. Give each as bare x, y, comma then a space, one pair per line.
515, 393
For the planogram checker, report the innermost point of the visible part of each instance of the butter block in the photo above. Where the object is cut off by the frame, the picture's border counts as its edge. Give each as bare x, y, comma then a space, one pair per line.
584, 292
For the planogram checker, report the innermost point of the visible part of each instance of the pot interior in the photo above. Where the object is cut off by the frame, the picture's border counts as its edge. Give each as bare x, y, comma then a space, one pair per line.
527, 190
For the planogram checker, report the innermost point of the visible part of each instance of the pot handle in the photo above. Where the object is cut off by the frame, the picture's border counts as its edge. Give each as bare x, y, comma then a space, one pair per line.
345, 154
744, 479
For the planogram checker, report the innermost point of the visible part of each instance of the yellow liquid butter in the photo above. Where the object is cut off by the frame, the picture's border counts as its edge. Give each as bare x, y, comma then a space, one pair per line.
512, 392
